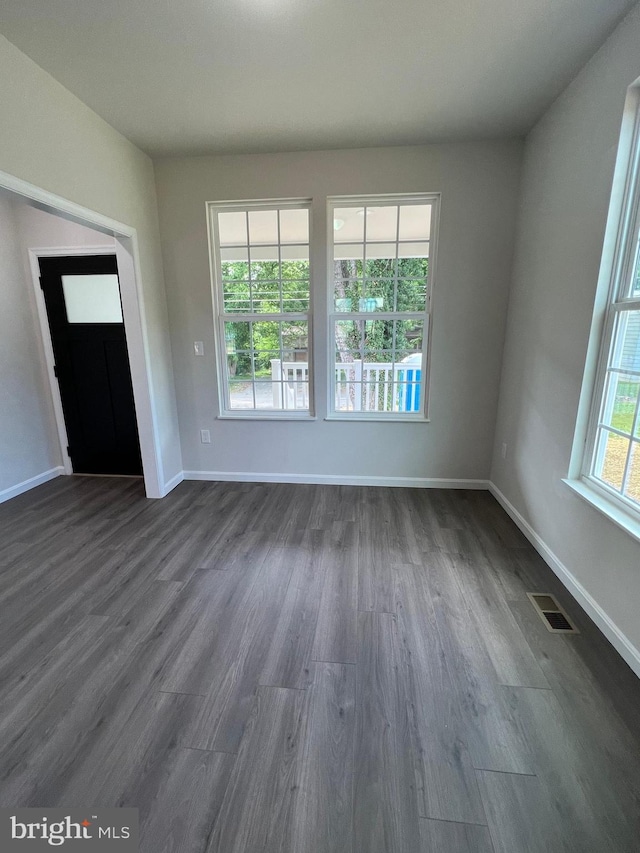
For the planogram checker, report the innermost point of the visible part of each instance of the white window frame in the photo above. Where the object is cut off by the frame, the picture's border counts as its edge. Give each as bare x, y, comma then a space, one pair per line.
333, 202
220, 317
618, 262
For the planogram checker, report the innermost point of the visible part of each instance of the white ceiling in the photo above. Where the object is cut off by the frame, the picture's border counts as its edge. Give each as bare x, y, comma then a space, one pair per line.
196, 76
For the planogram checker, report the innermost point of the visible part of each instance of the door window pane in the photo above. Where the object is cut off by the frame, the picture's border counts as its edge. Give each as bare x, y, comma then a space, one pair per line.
92, 298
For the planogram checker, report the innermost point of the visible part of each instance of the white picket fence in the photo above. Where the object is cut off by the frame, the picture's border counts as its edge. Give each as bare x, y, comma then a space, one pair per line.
360, 386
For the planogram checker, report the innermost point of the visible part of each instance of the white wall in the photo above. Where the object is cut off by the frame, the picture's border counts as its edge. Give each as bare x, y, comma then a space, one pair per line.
51, 139
40, 229
568, 169
479, 185
29, 447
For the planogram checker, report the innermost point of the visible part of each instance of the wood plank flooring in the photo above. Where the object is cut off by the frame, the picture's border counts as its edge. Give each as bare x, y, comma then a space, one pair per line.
306, 669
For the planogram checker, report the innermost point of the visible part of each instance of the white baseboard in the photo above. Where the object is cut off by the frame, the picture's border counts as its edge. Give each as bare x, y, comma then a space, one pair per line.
172, 483
31, 483
618, 640
337, 480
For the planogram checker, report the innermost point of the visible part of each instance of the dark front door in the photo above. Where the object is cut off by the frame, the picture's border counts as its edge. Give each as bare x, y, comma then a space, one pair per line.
82, 296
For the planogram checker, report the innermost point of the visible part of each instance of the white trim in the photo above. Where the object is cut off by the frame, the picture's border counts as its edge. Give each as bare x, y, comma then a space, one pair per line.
337, 480
266, 415
136, 347
618, 640
434, 201
608, 505
378, 417
172, 483
135, 324
127, 254
31, 483
63, 205
217, 297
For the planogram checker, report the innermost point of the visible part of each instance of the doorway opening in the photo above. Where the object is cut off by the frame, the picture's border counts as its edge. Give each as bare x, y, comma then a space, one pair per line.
66, 229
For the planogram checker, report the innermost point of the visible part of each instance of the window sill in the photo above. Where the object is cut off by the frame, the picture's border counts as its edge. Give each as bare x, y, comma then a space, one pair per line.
265, 416
598, 499
377, 419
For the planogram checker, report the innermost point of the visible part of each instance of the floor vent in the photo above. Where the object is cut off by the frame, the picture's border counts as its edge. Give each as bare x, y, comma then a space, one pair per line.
551, 613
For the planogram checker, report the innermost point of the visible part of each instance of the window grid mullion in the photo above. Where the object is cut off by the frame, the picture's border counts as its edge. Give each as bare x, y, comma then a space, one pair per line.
280, 264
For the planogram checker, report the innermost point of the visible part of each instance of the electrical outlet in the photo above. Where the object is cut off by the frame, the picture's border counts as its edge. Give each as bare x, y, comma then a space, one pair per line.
504, 449
205, 436
198, 348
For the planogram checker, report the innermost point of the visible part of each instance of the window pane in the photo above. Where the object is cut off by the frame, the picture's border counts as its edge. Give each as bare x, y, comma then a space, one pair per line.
407, 395
348, 268
296, 270
620, 401
263, 227
266, 297
265, 270
378, 295
380, 268
348, 224
92, 298
348, 391
611, 458
236, 253
265, 363
379, 396
295, 253
382, 223
348, 251
378, 336
383, 251
266, 335
633, 481
268, 395
263, 253
236, 270
413, 250
409, 335
232, 228
413, 267
348, 336
626, 341
295, 337
415, 222
237, 297
240, 395
292, 394
634, 287
348, 294
294, 226
295, 297
377, 365
411, 295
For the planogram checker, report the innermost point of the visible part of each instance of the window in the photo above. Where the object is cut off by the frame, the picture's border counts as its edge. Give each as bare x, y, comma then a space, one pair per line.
612, 459
381, 275
261, 270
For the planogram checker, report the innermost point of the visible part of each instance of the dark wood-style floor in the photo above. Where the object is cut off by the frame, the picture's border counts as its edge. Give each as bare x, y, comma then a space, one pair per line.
306, 669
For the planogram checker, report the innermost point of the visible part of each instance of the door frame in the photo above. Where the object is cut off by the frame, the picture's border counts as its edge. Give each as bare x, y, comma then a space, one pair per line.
127, 255
45, 330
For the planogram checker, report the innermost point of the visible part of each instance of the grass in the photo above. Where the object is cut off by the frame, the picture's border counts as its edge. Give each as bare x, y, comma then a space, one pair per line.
625, 406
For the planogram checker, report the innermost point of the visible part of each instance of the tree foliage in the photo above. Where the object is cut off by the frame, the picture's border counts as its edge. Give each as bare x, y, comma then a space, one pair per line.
273, 287
259, 290
372, 286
